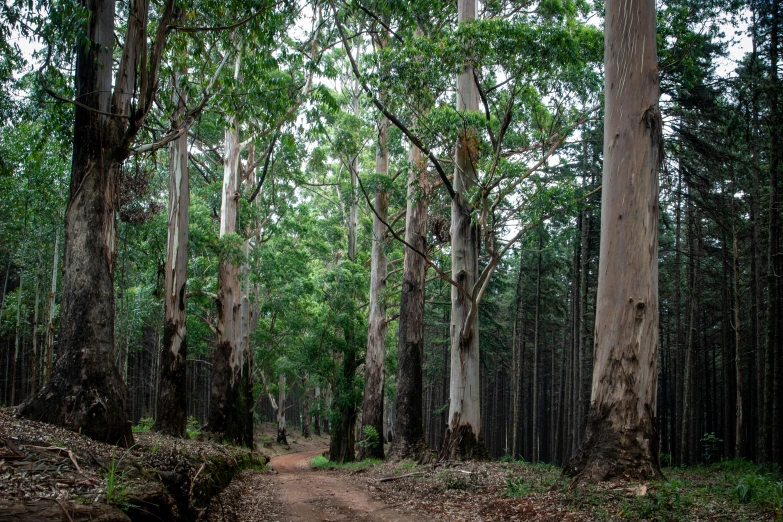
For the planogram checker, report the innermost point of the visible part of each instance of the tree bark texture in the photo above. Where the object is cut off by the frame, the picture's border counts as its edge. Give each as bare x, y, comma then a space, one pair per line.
281, 429
374, 366
306, 418
463, 437
230, 408
171, 417
52, 306
343, 436
408, 440
85, 391
621, 439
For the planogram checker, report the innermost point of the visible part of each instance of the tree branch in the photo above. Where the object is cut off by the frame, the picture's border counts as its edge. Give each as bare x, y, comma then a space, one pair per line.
391, 117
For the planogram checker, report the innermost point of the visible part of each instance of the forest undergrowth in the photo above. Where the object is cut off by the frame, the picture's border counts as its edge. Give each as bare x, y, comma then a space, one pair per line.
732, 490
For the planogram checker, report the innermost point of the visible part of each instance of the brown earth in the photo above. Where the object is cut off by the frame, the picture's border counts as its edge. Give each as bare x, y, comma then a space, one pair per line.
295, 492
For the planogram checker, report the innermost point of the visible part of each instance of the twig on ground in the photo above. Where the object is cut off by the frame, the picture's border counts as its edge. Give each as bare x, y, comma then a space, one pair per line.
387, 479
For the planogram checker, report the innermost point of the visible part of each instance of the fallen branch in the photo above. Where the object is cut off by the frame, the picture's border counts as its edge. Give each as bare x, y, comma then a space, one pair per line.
69, 452
193, 482
388, 479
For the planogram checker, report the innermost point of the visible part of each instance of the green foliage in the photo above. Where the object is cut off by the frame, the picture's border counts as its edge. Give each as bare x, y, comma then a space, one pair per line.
710, 444
193, 428
407, 465
662, 502
145, 424
666, 459
515, 488
370, 439
764, 489
117, 486
322, 462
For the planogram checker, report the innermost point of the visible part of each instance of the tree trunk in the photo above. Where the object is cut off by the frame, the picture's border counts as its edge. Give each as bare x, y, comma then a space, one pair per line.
516, 365
317, 419
85, 391
536, 331
353, 211
171, 418
281, 429
688, 395
85, 365
306, 407
374, 366
408, 440
739, 425
17, 333
621, 439
34, 361
341, 447
230, 408
52, 305
463, 437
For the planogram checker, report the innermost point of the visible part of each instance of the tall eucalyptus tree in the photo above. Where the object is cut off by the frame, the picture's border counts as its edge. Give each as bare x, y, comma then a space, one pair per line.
85, 391
621, 440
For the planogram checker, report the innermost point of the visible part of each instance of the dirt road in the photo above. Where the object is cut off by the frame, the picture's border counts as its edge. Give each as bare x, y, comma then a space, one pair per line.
311, 495
295, 492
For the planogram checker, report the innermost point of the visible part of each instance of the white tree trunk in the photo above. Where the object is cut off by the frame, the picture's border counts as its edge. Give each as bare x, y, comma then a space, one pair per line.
281, 430
463, 435
374, 367
171, 417
230, 414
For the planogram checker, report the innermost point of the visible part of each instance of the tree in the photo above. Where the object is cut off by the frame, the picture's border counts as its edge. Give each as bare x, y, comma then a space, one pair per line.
621, 438
463, 435
85, 391
374, 367
172, 414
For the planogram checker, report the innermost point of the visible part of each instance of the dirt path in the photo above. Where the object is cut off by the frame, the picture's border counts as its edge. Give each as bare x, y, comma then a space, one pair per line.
295, 492
311, 495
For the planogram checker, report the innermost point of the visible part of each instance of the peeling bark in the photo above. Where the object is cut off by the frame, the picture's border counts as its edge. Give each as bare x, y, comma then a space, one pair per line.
463, 438
621, 439
306, 419
171, 417
408, 428
281, 429
230, 408
374, 366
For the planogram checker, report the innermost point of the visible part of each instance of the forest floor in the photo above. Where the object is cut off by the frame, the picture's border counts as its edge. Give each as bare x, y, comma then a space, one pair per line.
51, 473
296, 491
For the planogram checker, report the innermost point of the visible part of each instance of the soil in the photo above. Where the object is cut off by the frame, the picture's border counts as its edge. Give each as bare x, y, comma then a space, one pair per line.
292, 491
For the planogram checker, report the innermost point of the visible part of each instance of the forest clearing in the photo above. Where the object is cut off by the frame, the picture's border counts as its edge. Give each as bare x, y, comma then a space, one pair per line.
368, 260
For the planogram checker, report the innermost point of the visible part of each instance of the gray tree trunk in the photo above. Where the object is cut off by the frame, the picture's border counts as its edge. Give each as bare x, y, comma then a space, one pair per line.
52, 306
463, 437
408, 429
621, 439
230, 414
171, 417
374, 366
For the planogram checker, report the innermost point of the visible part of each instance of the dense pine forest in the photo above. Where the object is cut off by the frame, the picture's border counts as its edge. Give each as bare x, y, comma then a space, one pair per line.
426, 229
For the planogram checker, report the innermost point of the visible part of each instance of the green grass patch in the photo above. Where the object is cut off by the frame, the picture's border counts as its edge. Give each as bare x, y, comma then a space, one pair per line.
322, 462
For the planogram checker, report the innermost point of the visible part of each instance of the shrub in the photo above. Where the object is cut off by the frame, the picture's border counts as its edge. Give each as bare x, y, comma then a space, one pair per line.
515, 488
711, 447
145, 424
371, 438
